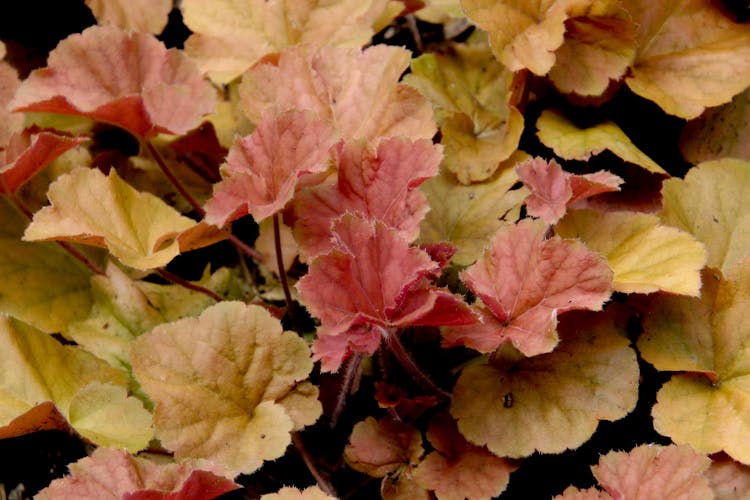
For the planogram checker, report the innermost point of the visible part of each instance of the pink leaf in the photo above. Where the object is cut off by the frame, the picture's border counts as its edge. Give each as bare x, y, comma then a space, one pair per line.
200, 484
262, 169
127, 79
374, 184
524, 281
554, 190
28, 152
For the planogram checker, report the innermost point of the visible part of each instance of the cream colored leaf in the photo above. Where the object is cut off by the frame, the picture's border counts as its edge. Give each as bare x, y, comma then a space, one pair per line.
645, 256
149, 16
289, 493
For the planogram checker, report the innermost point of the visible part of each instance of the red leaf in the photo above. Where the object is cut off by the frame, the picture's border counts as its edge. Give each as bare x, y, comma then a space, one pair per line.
373, 184
262, 169
200, 484
524, 281
127, 79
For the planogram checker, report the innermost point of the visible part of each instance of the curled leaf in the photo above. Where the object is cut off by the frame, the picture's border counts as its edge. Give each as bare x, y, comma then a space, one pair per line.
380, 447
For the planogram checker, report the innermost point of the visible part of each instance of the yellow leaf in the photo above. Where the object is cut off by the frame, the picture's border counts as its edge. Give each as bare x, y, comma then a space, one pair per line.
35, 368
42, 284
89, 207
229, 36
711, 203
222, 382
469, 90
551, 402
690, 56
468, 216
148, 16
524, 33
645, 256
709, 338
572, 143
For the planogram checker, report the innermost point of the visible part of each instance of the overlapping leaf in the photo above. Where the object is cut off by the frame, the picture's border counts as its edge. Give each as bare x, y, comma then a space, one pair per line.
127, 79
728, 479
289, 493
228, 386
524, 281
379, 184
553, 401
357, 91
709, 339
572, 143
710, 203
138, 228
469, 90
372, 279
148, 16
261, 171
112, 473
35, 367
468, 216
381, 447
645, 256
686, 74
10, 123
230, 36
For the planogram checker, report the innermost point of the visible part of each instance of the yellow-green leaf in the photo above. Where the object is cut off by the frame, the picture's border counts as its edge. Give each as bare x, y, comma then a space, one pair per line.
89, 207
644, 255
572, 143
468, 216
709, 339
711, 203
42, 284
551, 402
222, 382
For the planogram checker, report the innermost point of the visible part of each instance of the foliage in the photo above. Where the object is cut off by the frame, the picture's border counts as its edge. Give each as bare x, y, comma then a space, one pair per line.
309, 247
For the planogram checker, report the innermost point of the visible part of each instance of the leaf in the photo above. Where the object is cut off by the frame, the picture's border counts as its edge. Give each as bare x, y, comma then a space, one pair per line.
554, 401
112, 473
469, 90
356, 91
89, 207
220, 383
524, 281
719, 132
468, 216
710, 204
524, 34
42, 284
686, 74
381, 447
265, 243
289, 493
42, 417
458, 469
709, 339
28, 153
729, 479
261, 171
35, 367
10, 123
553, 190
229, 37
597, 49
124, 309
572, 143
147, 16
371, 281
127, 79
645, 256
572, 493
650, 471
372, 183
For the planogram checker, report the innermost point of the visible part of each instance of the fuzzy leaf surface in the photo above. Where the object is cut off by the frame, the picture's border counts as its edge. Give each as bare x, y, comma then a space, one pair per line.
147, 16
710, 203
380, 447
645, 256
708, 338
261, 171
221, 382
357, 91
551, 402
127, 79
524, 282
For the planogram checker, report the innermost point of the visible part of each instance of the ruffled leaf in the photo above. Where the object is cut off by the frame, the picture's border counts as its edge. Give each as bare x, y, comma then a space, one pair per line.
221, 382
127, 79
381, 447
289, 493
148, 16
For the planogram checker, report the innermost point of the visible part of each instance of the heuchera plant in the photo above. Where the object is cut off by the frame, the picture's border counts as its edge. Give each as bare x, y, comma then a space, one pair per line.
361, 260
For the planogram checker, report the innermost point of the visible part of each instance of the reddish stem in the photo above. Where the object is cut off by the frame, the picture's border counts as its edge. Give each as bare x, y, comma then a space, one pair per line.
190, 286
351, 371
280, 266
323, 483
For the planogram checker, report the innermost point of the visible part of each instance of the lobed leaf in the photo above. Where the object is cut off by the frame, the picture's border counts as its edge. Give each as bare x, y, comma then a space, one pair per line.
148, 16
729, 479
381, 447
289, 493
221, 383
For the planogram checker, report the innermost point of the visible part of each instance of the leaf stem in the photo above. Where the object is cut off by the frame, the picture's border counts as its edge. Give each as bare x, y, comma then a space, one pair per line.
190, 286
323, 483
394, 345
246, 249
280, 266
174, 180
351, 371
